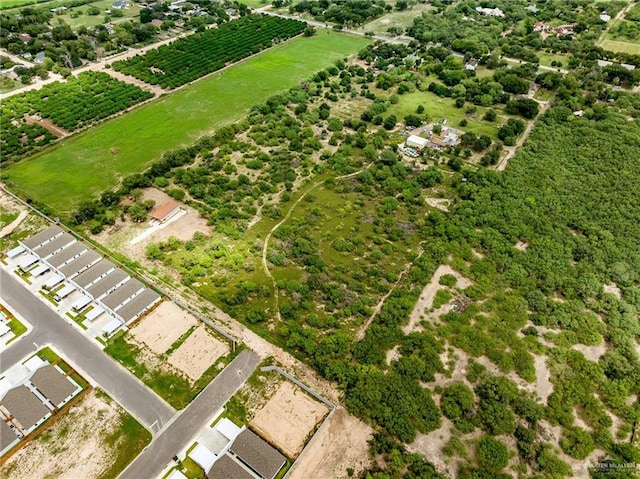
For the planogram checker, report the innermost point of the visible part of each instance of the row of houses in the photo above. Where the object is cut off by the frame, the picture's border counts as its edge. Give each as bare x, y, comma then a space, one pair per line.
448, 137
228, 451
82, 269
560, 31
35, 392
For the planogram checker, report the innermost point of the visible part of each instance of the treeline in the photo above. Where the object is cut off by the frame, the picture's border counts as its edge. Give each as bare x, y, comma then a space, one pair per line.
349, 13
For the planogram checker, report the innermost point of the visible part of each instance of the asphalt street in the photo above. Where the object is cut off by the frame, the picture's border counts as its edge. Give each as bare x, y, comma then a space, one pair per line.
83, 354
152, 461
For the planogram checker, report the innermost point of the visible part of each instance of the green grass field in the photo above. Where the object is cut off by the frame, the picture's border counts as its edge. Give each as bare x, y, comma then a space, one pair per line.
82, 166
255, 3
618, 46
398, 19
85, 20
4, 4
438, 108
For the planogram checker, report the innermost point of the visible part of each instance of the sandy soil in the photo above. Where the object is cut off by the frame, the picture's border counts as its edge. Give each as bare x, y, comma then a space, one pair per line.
543, 386
288, 418
592, 353
340, 444
8, 229
440, 203
430, 446
73, 447
521, 245
200, 350
612, 288
425, 301
163, 326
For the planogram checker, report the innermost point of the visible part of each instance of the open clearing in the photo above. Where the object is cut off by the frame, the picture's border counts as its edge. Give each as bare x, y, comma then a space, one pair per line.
163, 326
84, 443
425, 301
200, 350
340, 444
288, 418
396, 19
82, 165
618, 46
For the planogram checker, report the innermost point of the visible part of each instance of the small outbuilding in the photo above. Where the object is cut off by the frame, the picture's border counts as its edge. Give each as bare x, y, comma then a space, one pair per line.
165, 211
414, 141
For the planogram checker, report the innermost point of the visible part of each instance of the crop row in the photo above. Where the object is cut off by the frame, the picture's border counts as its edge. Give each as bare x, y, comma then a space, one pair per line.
190, 58
71, 105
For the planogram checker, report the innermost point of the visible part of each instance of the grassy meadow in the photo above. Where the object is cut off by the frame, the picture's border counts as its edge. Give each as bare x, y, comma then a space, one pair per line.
83, 165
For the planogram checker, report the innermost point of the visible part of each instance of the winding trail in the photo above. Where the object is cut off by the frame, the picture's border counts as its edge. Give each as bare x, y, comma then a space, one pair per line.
267, 238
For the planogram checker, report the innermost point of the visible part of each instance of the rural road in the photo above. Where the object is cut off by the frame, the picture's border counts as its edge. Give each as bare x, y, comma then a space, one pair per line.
153, 460
85, 356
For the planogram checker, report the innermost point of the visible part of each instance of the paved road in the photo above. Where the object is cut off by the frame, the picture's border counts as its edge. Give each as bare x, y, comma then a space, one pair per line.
152, 461
49, 328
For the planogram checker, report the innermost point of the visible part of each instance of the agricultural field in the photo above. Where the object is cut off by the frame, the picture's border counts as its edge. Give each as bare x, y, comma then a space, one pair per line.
34, 119
182, 61
94, 13
85, 165
620, 46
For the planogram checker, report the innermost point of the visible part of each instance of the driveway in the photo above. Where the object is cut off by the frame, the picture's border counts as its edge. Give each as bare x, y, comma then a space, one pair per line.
85, 356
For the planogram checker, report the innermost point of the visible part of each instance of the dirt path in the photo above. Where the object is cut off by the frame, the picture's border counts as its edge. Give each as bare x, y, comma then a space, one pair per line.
155, 89
7, 230
376, 310
511, 150
48, 124
265, 247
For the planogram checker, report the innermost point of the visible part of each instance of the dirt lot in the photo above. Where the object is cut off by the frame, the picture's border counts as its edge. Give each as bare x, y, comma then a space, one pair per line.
73, 447
288, 418
340, 444
163, 326
122, 233
200, 350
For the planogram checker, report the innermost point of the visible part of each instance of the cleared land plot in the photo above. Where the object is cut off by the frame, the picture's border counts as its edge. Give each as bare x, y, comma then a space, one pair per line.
396, 19
438, 108
618, 46
340, 445
163, 327
288, 418
84, 20
199, 351
95, 438
82, 166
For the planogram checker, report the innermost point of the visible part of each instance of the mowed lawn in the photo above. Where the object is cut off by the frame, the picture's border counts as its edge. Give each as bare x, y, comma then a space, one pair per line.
82, 166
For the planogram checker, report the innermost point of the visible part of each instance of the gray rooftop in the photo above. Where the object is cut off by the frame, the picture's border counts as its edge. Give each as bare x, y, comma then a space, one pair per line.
58, 243
226, 468
138, 304
257, 454
108, 282
52, 384
99, 269
124, 292
42, 237
7, 435
67, 254
79, 264
23, 405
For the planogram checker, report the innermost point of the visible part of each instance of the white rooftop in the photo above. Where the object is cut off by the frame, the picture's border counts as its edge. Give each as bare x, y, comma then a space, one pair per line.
228, 429
176, 474
34, 363
203, 457
5, 385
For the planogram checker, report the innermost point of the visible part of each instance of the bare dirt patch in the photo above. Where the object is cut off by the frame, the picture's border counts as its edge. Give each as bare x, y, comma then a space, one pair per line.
521, 245
612, 288
48, 124
74, 446
200, 350
341, 443
430, 446
440, 203
425, 301
163, 326
288, 418
592, 353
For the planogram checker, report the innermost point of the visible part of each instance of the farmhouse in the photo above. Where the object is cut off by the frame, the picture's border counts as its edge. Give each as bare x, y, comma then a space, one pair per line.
165, 211
471, 65
53, 385
25, 37
491, 12
25, 408
120, 4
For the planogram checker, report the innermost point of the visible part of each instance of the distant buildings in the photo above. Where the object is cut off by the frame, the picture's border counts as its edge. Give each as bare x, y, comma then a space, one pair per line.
559, 31
490, 12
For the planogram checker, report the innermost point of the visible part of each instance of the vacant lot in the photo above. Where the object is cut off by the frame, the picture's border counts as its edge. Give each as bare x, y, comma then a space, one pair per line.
396, 19
96, 438
163, 327
83, 166
288, 418
620, 46
199, 351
